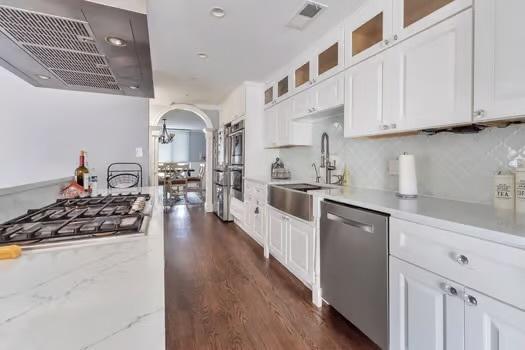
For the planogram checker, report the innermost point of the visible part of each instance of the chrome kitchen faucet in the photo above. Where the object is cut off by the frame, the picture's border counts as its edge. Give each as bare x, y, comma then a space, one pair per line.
325, 157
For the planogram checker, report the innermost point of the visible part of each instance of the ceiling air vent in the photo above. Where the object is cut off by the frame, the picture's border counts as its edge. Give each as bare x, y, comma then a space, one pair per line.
66, 47
306, 14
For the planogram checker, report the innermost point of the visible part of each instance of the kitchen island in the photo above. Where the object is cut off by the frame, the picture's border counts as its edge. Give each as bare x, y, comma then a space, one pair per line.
105, 294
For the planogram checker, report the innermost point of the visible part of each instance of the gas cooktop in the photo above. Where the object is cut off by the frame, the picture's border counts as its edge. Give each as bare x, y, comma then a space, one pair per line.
81, 218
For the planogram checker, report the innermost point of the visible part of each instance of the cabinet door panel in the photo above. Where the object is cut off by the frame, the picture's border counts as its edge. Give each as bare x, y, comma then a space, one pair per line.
302, 103
493, 325
499, 79
367, 31
284, 114
414, 16
433, 83
270, 127
300, 250
364, 97
258, 225
277, 233
329, 93
422, 313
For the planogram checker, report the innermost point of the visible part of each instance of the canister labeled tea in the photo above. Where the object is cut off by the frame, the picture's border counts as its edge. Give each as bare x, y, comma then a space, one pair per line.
504, 190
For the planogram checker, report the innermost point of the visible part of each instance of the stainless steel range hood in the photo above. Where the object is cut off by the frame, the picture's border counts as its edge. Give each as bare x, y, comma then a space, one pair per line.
66, 42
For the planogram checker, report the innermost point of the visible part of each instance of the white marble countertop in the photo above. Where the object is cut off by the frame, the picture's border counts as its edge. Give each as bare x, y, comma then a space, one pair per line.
105, 294
477, 220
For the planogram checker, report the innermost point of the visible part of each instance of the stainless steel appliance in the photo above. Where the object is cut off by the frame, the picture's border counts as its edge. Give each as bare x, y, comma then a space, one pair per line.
293, 199
221, 174
78, 219
76, 45
354, 266
236, 166
221, 201
237, 181
237, 144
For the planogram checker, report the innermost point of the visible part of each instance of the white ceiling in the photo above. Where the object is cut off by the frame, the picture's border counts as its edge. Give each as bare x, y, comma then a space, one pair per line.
249, 43
179, 119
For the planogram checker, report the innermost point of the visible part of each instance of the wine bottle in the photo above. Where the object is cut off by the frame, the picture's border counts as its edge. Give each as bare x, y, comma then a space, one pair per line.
81, 172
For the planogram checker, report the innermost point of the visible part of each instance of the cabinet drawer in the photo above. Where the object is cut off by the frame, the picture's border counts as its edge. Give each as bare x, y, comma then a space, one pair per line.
494, 269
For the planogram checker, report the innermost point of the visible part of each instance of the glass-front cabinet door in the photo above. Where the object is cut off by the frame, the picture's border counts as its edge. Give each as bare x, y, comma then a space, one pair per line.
282, 87
414, 16
302, 76
329, 58
369, 31
268, 95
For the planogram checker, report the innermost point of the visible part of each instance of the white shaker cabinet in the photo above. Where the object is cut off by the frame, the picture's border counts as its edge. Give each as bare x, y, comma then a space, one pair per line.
499, 70
426, 310
492, 325
329, 93
368, 31
277, 235
270, 127
364, 97
284, 115
300, 249
431, 86
291, 242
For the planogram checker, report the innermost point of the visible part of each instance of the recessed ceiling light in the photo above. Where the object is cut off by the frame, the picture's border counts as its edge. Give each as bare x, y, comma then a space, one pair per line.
114, 41
133, 87
217, 12
202, 55
43, 77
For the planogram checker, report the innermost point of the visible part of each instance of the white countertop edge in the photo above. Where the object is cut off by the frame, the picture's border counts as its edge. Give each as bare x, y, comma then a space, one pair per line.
469, 230
22, 188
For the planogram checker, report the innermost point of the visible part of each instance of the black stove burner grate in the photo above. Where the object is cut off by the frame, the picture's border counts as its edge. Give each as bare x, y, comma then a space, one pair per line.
75, 218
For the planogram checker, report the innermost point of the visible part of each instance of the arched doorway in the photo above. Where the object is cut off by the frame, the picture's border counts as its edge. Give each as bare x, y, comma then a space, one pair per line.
208, 133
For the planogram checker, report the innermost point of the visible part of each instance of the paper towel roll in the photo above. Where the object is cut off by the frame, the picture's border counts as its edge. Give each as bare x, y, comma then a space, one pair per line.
407, 175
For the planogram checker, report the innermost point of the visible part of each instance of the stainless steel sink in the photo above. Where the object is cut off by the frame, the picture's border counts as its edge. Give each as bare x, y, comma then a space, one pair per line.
293, 199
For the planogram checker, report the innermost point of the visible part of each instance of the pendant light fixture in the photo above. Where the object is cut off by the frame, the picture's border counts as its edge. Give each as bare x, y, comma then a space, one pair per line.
165, 137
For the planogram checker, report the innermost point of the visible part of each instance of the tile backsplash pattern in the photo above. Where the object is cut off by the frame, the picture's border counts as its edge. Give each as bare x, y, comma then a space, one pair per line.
452, 166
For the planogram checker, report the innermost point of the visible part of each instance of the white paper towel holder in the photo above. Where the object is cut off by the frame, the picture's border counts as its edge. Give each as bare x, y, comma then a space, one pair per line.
403, 195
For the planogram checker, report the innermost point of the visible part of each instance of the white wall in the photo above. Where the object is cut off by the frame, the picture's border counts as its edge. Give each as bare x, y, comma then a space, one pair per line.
43, 130
449, 165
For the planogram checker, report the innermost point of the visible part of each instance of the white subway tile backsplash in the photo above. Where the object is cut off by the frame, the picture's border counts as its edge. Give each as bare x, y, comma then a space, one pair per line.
453, 166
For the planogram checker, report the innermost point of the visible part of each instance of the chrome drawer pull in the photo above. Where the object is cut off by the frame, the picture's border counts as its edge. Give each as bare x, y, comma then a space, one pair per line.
462, 259
345, 221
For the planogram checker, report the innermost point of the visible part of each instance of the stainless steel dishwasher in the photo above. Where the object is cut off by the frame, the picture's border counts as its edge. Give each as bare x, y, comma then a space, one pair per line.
354, 266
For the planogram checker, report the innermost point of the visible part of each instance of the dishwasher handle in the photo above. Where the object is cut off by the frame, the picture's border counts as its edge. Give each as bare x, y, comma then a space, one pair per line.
362, 226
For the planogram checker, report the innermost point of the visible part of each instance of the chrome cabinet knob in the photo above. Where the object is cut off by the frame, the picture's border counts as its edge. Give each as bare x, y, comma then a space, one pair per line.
450, 290
462, 259
386, 42
471, 300
479, 113
395, 37
383, 127
256, 210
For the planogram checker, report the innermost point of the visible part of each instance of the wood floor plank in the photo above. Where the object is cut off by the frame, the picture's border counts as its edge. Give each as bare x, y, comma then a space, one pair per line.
221, 293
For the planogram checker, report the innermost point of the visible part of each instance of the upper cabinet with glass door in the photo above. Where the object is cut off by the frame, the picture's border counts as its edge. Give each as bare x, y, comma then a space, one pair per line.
367, 31
329, 56
269, 95
414, 16
380, 24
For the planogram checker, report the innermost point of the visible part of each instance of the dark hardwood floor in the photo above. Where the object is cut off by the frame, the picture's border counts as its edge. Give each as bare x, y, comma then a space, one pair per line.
221, 293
